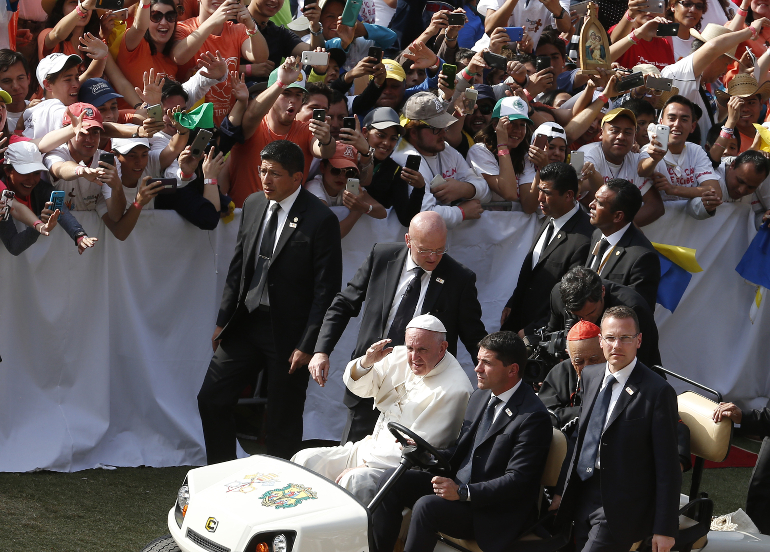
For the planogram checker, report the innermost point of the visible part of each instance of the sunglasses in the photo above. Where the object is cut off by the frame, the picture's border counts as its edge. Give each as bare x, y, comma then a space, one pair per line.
157, 16
688, 5
350, 173
485, 109
436, 131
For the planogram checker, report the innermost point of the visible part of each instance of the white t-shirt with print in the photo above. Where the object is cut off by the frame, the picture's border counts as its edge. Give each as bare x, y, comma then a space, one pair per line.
483, 162
43, 118
691, 168
316, 187
530, 14
627, 170
684, 79
682, 48
80, 194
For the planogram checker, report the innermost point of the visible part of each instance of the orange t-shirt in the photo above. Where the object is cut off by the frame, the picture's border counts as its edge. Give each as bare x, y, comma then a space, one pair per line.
135, 63
245, 159
229, 44
191, 9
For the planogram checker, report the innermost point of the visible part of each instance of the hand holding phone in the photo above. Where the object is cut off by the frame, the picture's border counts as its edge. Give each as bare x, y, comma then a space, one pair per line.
450, 73
661, 135
496, 61
319, 115
315, 58
353, 186
516, 34
456, 19
348, 122
413, 162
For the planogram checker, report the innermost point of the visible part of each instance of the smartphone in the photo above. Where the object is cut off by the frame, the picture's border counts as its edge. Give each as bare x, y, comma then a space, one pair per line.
112, 5
515, 33
496, 61
169, 185
351, 11
472, 94
413, 162
200, 142
456, 18
659, 83
319, 115
634, 80
121, 15
656, 6
661, 133
315, 58
349, 122
108, 158
580, 9
541, 141
450, 72
667, 29
57, 200
6, 200
353, 186
375, 52
155, 112
577, 159
542, 62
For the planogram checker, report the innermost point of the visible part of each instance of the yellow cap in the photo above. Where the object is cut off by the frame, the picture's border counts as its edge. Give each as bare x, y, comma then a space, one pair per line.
393, 70
619, 112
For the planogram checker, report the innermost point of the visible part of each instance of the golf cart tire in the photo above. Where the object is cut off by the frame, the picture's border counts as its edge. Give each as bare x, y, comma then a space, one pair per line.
163, 544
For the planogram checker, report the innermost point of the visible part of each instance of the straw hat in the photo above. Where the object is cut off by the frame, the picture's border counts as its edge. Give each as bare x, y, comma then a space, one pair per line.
712, 31
744, 86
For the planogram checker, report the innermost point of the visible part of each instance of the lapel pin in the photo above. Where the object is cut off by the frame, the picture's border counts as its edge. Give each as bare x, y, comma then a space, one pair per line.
295, 219
440, 280
629, 391
558, 236
617, 253
292, 225
508, 411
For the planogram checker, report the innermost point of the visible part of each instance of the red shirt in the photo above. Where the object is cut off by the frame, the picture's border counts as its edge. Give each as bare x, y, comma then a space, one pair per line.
658, 52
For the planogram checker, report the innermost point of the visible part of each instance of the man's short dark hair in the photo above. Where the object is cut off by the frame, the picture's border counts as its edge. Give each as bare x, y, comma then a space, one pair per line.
562, 176
755, 158
628, 198
621, 312
681, 100
337, 97
173, 88
316, 88
287, 154
524, 58
464, 54
639, 107
578, 286
508, 347
551, 36
10, 57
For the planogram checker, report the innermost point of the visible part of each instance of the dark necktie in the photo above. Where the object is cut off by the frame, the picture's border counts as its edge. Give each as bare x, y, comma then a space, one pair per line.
548, 235
601, 247
598, 416
259, 278
464, 473
406, 308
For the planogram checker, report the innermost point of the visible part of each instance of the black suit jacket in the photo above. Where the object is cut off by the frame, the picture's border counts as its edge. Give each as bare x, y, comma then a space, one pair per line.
640, 473
507, 465
633, 263
451, 297
304, 275
567, 249
616, 295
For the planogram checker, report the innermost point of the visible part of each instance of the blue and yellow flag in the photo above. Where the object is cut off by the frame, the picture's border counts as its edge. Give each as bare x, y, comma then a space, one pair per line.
755, 264
677, 265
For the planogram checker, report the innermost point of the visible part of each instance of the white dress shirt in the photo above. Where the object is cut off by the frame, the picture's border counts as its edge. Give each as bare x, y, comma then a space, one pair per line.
405, 278
621, 376
613, 240
504, 397
286, 205
557, 224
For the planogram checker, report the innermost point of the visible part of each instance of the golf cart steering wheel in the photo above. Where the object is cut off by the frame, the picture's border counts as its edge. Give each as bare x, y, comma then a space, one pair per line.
421, 447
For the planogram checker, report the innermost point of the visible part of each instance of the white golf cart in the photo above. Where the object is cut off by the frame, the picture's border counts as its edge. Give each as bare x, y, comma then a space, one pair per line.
266, 504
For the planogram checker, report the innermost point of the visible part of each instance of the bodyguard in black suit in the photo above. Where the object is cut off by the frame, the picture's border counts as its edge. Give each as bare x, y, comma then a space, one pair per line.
583, 295
285, 271
561, 243
497, 464
623, 482
619, 251
385, 288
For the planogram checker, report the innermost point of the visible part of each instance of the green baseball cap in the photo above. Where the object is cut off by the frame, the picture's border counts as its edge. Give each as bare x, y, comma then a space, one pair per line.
300, 82
512, 107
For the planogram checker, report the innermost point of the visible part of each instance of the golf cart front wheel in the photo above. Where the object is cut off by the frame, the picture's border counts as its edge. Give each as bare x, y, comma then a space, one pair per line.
162, 544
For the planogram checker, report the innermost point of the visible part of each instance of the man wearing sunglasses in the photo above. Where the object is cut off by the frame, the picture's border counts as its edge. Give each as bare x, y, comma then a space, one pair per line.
338, 186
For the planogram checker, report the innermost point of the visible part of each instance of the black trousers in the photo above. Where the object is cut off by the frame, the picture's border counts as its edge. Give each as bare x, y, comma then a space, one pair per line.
248, 348
591, 531
758, 497
431, 514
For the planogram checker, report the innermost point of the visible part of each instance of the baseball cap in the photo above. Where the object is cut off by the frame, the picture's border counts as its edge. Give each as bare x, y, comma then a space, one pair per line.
426, 107
393, 70
92, 117
125, 145
53, 63
619, 112
345, 156
550, 130
382, 117
5, 96
512, 107
97, 92
485, 91
301, 23
300, 82
24, 157
338, 55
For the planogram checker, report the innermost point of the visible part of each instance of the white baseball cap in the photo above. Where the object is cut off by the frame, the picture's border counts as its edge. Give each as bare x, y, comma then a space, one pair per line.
53, 63
125, 145
24, 157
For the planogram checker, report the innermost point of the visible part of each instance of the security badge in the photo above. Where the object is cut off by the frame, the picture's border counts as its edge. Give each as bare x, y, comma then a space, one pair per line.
629, 391
440, 280
508, 411
293, 224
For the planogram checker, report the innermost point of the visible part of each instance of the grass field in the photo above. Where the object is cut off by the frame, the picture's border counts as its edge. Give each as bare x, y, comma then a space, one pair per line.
122, 510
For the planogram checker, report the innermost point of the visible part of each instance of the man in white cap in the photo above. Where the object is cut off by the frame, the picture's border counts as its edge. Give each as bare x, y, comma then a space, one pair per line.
58, 75
419, 385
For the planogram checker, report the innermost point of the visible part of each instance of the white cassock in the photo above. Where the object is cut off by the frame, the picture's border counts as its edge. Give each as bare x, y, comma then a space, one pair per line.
433, 406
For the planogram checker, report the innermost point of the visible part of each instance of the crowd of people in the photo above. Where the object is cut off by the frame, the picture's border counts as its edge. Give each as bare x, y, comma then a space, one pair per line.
309, 119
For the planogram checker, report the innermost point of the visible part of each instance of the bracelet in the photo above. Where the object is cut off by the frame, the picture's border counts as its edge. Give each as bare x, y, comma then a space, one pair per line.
435, 65
81, 12
603, 98
38, 221
79, 170
137, 205
319, 32
730, 131
180, 133
452, 39
528, 95
252, 33
461, 210
467, 75
628, 16
329, 142
80, 239
503, 150
210, 182
754, 33
146, 6
370, 209
561, 15
726, 135
633, 36
280, 83
187, 176
631, 40
741, 12
137, 106
247, 69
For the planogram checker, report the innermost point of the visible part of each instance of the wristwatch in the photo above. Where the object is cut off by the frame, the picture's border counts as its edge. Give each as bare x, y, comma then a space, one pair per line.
462, 492
319, 31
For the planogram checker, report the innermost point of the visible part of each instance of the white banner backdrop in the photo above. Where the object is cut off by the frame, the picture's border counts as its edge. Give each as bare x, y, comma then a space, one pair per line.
103, 354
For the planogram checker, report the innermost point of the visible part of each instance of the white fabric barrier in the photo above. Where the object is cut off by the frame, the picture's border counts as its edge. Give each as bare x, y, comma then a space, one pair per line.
103, 354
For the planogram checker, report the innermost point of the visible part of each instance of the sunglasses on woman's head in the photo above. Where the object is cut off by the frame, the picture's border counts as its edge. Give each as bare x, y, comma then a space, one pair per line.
157, 16
350, 173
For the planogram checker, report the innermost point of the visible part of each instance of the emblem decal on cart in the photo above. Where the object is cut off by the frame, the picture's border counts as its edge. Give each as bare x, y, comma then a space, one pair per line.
211, 525
250, 483
289, 496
